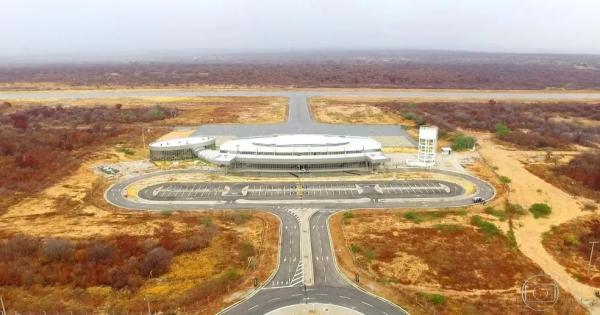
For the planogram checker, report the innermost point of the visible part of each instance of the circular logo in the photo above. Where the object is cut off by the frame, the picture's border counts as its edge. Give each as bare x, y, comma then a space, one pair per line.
540, 292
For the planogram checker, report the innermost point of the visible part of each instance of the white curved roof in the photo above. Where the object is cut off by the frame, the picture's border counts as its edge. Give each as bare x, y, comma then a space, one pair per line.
299, 143
188, 142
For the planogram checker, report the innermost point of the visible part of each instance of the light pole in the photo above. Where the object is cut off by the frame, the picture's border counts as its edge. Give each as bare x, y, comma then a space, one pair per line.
591, 254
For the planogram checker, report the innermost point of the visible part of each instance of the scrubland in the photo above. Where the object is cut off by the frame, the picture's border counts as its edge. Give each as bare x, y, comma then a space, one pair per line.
64, 248
447, 262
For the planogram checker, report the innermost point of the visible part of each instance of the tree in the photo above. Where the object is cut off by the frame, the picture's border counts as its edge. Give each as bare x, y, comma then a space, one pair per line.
462, 142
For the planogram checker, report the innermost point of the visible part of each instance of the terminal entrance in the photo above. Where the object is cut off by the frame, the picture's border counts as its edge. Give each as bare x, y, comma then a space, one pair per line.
304, 168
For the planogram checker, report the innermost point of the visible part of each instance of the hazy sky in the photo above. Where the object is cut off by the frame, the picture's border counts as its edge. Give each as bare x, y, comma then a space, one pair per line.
71, 27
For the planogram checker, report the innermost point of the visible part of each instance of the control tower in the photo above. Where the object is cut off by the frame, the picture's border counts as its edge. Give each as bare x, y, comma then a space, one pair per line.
427, 146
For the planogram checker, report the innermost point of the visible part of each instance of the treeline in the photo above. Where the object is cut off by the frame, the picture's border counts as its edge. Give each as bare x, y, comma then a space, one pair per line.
121, 261
388, 73
554, 125
42, 143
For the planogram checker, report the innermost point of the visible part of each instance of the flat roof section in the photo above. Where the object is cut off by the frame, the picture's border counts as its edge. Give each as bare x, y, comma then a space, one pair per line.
181, 143
301, 143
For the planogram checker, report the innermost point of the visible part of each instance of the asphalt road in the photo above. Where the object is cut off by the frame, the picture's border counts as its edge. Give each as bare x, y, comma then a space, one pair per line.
115, 195
286, 286
329, 286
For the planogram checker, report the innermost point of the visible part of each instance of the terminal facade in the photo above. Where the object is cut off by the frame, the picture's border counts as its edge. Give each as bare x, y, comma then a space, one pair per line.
283, 153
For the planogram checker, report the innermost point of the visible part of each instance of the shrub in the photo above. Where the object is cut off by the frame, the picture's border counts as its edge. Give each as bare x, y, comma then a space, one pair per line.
501, 129
369, 254
246, 251
434, 298
156, 113
412, 216
489, 229
238, 218
20, 246
505, 180
589, 206
99, 252
570, 240
512, 240
540, 210
462, 142
514, 209
166, 213
355, 249
57, 249
206, 221
414, 117
156, 262
500, 214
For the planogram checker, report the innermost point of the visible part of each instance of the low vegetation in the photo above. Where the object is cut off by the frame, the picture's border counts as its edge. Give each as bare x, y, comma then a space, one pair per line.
40, 144
189, 261
120, 261
488, 228
395, 69
580, 176
437, 264
462, 142
540, 210
530, 125
43, 141
571, 244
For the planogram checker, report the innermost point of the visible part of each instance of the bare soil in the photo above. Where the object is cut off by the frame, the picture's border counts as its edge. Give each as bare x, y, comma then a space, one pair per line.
445, 255
570, 244
68, 202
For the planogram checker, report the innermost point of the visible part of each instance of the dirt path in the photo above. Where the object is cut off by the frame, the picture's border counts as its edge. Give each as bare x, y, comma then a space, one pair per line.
527, 189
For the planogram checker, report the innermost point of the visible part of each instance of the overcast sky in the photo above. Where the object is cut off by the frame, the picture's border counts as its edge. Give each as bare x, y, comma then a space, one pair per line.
107, 27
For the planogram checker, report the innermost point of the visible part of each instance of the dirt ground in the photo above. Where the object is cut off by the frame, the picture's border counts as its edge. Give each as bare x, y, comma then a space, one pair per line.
408, 262
183, 286
72, 206
194, 110
341, 111
570, 244
526, 189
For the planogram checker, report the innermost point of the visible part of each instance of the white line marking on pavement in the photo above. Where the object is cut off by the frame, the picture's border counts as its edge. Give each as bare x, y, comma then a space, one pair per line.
365, 303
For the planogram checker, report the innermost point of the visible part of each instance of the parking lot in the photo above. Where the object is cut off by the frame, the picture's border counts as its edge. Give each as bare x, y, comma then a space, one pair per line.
301, 190
186, 191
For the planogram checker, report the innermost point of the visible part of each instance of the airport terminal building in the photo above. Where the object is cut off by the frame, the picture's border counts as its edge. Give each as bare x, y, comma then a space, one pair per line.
292, 153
